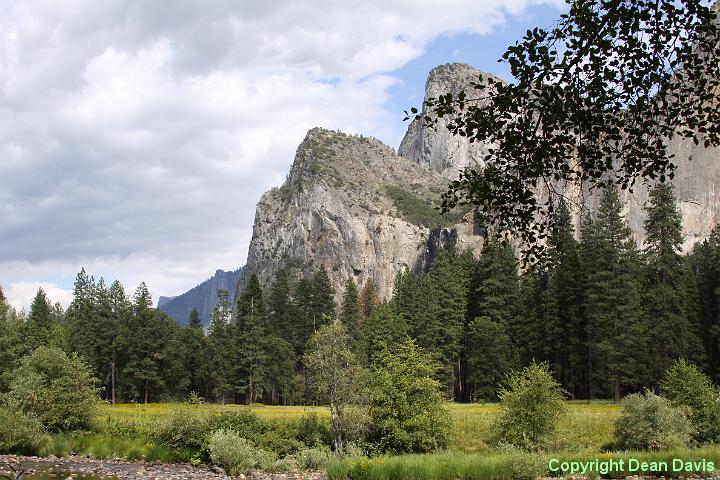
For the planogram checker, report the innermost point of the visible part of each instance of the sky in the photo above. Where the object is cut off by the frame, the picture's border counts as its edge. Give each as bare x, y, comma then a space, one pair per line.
136, 139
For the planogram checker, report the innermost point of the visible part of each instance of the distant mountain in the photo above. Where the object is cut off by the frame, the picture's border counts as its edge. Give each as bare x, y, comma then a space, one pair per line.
203, 297
162, 301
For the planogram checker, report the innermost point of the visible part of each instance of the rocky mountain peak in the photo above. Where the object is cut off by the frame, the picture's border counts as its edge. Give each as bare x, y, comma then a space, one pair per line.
436, 148
355, 207
351, 205
696, 178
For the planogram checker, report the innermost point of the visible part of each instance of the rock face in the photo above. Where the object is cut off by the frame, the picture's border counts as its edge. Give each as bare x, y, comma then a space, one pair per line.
351, 204
437, 148
337, 209
203, 297
697, 179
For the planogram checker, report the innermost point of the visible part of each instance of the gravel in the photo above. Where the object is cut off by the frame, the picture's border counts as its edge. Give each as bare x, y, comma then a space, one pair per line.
78, 468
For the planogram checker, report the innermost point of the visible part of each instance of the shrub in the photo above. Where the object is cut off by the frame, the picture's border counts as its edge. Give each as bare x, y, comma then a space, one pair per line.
235, 454
246, 424
406, 408
314, 459
531, 404
285, 464
686, 386
56, 389
276, 436
184, 430
279, 437
314, 431
19, 433
651, 422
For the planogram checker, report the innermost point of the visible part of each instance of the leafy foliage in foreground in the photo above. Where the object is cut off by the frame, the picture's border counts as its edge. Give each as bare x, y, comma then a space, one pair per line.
651, 422
18, 432
686, 386
57, 390
405, 410
596, 99
532, 403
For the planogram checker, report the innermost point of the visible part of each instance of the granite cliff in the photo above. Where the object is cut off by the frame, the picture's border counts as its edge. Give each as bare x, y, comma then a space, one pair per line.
353, 206
356, 207
697, 179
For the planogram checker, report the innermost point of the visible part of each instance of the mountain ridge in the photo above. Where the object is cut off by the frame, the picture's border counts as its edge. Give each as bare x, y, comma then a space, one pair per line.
201, 297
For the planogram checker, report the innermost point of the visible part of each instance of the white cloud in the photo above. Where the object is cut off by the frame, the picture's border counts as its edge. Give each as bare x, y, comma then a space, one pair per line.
21, 294
136, 138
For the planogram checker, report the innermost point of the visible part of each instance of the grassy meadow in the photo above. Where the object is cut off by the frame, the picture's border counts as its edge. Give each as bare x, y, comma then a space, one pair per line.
587, 426
584, 432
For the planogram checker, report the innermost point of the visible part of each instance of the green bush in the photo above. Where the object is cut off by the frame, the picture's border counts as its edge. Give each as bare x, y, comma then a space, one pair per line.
237, 455
246, 424
651, 422
184, 430
19, 433
285, 464
531, 404
279, 437
56, 389
406, 410
314, 431
686, 386
314, 459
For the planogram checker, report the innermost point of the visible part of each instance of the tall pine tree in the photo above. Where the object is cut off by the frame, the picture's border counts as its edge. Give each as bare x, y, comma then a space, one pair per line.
672, 311
616, 326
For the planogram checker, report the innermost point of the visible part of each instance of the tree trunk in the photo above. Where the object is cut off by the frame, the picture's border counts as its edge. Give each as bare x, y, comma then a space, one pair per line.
337, 431
112, 379
146, 392
617, 391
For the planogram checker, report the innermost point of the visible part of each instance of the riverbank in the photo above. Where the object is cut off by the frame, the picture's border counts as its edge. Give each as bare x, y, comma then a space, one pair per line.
82, 468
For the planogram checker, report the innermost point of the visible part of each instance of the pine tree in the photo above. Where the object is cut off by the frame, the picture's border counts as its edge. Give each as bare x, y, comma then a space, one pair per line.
368, 299
121, 310
495, 318
105, 330
143, 340
220, 341
616, 326
672, 310
304, 320
82, 325
450, 278
250, 327
280, 305
11, 343
276, 373
39, 326
383, 329
705, 262
495, 285
491, 356
350, 311
197, 360
323, 298
560, 304
314, 306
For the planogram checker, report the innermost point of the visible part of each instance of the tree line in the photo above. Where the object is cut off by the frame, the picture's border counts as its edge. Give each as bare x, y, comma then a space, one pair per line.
607, 315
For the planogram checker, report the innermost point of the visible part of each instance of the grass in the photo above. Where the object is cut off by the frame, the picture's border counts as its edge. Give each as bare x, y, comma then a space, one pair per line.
586, 427
504, 466
125, 431
103, 446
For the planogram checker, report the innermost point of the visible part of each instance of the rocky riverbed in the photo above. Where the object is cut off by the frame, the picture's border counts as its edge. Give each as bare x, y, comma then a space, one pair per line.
81, 468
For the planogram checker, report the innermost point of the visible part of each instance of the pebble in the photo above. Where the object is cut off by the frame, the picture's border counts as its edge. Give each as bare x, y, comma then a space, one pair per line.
123, 470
